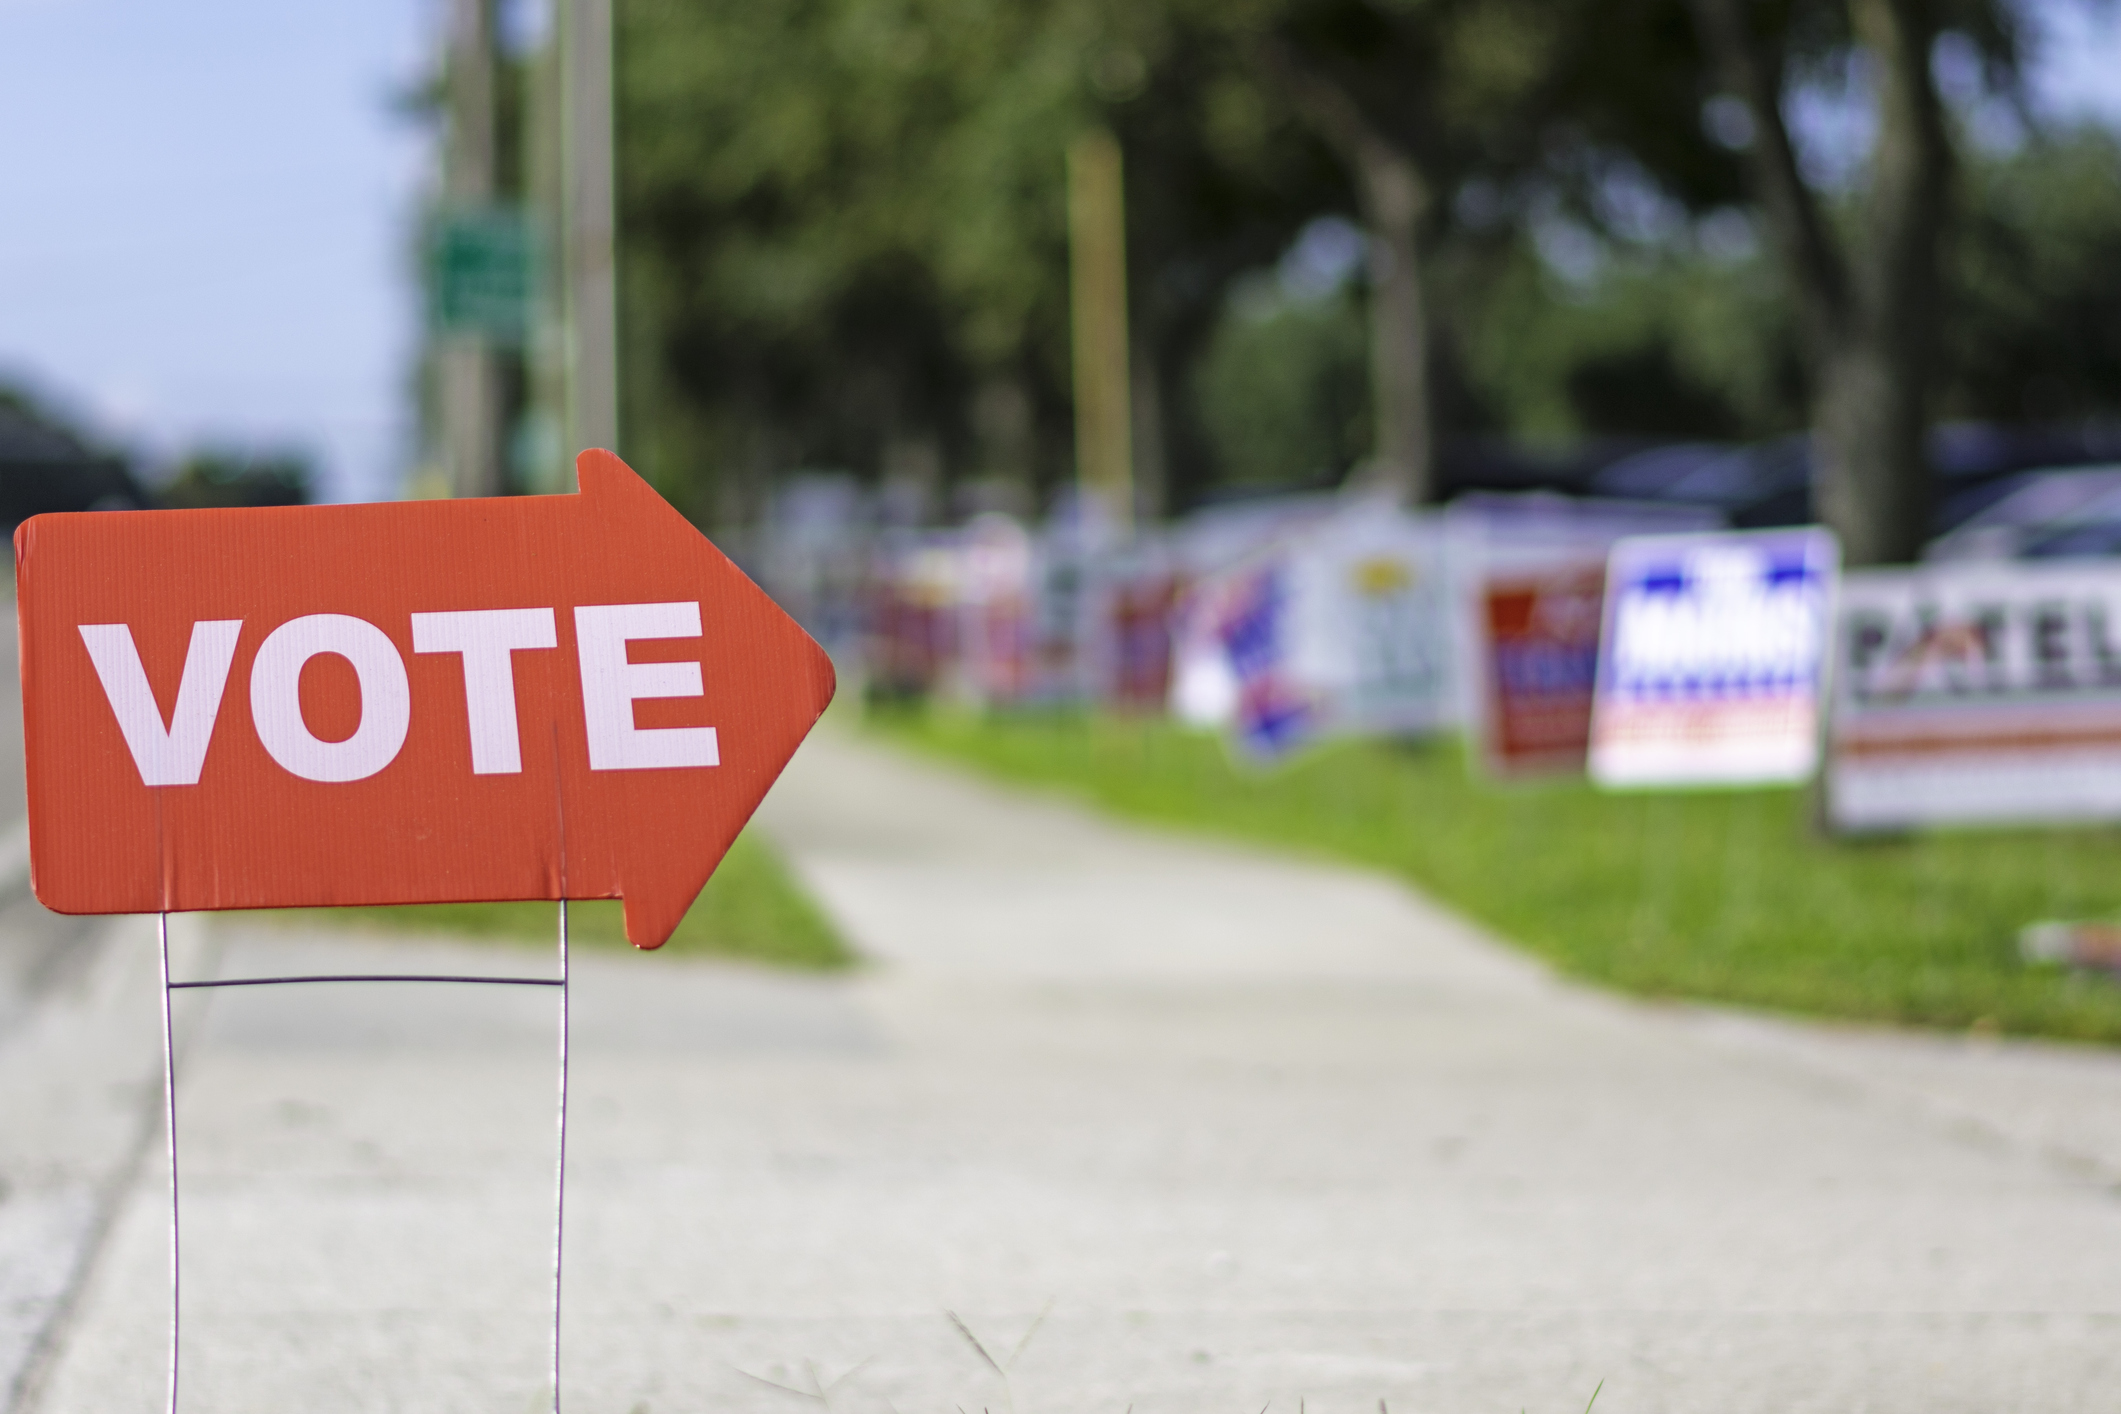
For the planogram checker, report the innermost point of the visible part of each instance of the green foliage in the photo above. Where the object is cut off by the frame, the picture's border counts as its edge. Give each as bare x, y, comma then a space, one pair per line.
1283, 387
838, 210
1726, 897
845, 232
2038, 332
1674, 341
1693, 337
235, 478
752, 909
845, 219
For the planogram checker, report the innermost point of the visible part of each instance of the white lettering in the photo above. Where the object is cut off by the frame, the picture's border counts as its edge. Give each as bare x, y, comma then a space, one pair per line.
611, 685
488, 639
171, 755
1729, 632
276, 697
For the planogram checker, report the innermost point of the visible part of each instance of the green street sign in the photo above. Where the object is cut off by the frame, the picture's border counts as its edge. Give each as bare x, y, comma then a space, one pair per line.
481, 273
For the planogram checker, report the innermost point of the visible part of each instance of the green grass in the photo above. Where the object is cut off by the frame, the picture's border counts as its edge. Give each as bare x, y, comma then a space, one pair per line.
1724, 896
752, 909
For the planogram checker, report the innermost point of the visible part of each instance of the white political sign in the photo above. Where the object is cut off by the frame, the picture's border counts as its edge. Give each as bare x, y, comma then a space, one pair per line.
1342, 627
1372, 623
1977, 693
1711, 658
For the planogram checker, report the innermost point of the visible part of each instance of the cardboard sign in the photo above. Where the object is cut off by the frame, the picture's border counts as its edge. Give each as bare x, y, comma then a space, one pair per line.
1136, 663
1372, 623
1130, 604
994, 609
912, 619
1275, 712
1342, 628
1538, 632
1235, 664
1977, 693
1531, 570
1711, 658
533, 697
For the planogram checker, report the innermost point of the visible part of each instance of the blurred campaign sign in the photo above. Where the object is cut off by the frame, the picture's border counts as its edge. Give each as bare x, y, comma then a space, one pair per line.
1372, 624
994, 604
1532, 574
534, 697
1342, 627
1130, 605
1712, 658
1977, 692
912, 614
1538, 631
1237, 660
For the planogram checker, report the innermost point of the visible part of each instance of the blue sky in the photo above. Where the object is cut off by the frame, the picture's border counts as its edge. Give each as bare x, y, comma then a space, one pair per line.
204, 208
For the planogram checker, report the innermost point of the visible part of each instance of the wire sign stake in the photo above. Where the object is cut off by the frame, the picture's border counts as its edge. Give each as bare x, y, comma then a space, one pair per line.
169, 1129
559, 1172
169, 1102
673, 691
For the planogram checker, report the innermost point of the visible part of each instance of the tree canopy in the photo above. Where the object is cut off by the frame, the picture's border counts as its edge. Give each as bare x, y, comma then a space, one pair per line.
844, 230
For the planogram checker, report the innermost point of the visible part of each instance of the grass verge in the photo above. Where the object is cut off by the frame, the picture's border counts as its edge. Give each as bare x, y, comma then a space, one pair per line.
1725, 896
752, 909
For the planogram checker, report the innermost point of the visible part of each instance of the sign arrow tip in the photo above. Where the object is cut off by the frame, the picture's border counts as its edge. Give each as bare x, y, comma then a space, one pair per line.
666, 872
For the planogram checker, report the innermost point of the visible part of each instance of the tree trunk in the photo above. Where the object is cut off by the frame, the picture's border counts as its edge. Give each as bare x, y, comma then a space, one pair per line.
1874, 479
1869, 313
1393, 198
1870, 480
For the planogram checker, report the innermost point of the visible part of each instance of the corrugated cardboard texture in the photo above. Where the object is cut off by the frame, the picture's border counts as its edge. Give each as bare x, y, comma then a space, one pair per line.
424, 828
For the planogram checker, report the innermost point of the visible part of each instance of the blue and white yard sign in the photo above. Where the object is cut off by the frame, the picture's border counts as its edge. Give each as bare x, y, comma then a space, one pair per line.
1712, 658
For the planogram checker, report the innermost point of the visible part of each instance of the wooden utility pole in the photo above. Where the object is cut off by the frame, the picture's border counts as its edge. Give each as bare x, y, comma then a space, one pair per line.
467, 371
1097, 260
591, 287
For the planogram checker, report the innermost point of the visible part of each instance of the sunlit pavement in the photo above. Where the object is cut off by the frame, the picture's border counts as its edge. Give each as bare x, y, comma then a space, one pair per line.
1243, 1129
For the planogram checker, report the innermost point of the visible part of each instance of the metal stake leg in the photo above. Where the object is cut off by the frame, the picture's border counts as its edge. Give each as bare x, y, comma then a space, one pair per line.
169, 1124
169, 1114
559, 1204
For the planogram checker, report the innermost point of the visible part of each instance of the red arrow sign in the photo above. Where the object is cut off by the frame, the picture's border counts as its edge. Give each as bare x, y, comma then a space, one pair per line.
533, 697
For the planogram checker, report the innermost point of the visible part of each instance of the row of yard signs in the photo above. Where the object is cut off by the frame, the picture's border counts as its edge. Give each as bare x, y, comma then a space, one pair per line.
1961, 693
1561, 637
1372, 622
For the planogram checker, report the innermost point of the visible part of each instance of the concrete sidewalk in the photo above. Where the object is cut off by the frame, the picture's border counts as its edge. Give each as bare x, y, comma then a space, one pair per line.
1244, 1129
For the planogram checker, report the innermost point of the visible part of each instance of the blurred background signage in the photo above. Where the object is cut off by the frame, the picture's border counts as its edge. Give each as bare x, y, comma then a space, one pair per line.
1340, 626
1977, 693
1372, 632
482, 274
1540, 632
1712, 659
